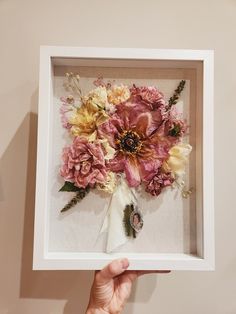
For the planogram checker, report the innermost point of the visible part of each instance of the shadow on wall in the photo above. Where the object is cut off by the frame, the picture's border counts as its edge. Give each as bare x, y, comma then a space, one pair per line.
71, 286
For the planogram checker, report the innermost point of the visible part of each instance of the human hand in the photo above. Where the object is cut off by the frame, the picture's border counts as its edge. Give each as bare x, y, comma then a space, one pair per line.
112, 287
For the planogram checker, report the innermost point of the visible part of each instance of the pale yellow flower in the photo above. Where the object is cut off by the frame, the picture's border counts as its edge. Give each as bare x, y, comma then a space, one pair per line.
85, 121
118, 94
110, 151
178, 159
96, 99
110, 185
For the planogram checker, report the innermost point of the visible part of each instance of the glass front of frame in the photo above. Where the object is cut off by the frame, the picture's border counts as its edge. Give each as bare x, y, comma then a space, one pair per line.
170, 222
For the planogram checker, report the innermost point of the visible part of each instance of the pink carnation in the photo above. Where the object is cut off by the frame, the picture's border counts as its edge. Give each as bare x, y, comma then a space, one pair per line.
149, 95
158, 182
84, 163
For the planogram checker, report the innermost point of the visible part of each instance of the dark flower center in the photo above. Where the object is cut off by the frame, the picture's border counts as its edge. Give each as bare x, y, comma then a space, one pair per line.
129, 142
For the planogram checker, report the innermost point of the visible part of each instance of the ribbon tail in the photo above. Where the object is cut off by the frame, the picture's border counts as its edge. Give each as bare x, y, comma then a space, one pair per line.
113, 222
105, 224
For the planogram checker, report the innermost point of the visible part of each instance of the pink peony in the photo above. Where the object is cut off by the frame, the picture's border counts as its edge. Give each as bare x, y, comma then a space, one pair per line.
149, 95
84, 163
158, 182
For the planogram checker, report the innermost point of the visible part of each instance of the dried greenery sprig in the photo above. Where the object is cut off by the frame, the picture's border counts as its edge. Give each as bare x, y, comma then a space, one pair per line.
174, 99
80, 194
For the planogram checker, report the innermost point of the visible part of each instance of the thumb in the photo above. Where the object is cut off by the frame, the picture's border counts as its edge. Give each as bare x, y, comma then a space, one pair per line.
112, 270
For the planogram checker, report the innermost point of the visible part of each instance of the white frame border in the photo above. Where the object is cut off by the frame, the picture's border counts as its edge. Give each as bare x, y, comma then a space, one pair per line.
42, 260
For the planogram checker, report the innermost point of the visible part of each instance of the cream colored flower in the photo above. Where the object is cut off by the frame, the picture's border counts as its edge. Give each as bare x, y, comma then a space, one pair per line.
118, 94
110, 151
96, 99
110, 185
85, 122
178, 159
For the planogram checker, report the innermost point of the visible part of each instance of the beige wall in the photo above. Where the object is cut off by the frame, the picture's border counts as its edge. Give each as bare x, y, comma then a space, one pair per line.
24, 25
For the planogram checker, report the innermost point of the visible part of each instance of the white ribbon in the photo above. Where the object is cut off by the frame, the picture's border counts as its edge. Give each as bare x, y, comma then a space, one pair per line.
113, 222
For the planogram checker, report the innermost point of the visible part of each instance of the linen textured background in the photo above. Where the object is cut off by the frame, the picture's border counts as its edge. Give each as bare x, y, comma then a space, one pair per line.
27, 24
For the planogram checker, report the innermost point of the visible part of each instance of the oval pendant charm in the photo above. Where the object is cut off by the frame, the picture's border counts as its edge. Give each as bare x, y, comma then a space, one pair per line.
136, 220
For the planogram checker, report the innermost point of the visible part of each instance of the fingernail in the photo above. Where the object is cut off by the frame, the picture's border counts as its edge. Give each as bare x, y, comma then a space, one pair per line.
125, 263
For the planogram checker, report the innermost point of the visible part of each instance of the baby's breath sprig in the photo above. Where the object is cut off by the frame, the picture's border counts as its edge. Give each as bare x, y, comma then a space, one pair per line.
185, 192
72, 84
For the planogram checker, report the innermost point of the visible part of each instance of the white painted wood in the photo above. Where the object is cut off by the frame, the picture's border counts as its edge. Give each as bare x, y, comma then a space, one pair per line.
43, 259
208, 160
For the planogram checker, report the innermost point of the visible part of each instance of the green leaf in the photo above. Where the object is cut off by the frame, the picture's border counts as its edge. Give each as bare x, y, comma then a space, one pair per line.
69, 187
129, 231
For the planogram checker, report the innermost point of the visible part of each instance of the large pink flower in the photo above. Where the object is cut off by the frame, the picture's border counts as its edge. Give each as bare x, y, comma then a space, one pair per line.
84, 163
149, 95
132, 131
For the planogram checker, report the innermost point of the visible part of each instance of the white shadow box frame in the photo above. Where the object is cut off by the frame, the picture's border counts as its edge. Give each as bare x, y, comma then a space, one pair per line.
178, 234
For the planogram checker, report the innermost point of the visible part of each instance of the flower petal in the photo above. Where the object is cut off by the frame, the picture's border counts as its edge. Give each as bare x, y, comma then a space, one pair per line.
178, 158
149, 167
110, 129
132, 171
117, 164
145, 124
